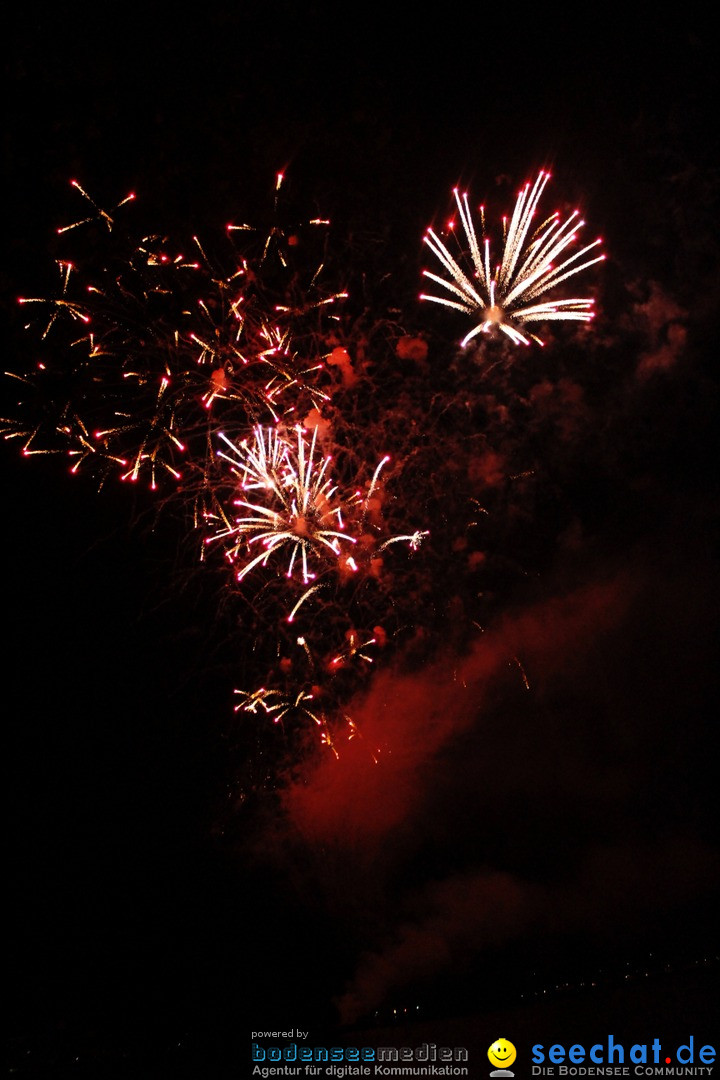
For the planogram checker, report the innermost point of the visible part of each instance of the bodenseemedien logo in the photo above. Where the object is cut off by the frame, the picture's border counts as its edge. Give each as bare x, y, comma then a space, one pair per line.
502, 1054
304, 1062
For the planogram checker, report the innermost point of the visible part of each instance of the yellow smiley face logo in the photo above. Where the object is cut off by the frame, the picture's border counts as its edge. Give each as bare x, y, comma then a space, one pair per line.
502, 1053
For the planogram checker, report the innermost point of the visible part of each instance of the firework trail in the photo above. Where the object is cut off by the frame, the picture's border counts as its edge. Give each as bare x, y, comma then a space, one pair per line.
535, 260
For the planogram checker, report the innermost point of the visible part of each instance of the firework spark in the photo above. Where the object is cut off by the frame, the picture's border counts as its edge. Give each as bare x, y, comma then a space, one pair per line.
296, 505
535, 260
148, 349
301, 712
298, 709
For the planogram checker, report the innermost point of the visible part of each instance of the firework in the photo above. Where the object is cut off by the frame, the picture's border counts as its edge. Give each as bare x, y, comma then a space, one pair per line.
298, 709
295, 509
147, 349
218, 379
301, 712
535, 260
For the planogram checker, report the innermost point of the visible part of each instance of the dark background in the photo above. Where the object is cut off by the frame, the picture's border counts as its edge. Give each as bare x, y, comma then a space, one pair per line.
152, 928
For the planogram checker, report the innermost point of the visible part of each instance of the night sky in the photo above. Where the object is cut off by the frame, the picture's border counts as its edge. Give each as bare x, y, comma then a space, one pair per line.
177, 879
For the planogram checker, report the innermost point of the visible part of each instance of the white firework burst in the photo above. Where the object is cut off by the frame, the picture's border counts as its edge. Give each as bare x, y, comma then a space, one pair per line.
294, 507
534, 261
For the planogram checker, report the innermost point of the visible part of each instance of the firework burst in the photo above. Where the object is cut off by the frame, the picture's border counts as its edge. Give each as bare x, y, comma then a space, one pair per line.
296, 508
299, 712
535, 260
147, 350
297, 709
